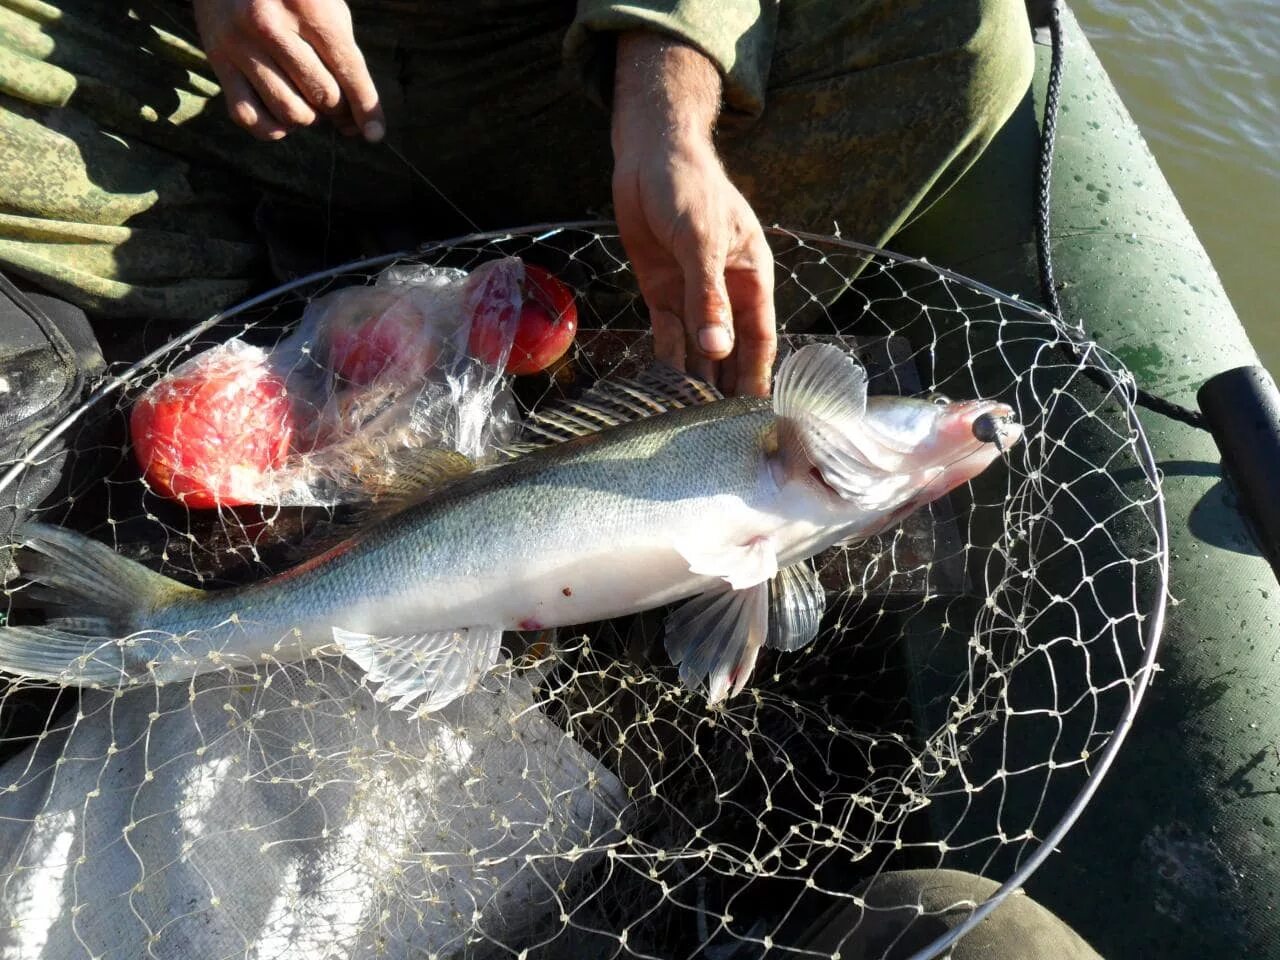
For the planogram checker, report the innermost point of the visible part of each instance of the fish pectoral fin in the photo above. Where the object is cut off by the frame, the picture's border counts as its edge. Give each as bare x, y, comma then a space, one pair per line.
740, 565
796, 603
717, 636
822, 381
820, 397
438, 666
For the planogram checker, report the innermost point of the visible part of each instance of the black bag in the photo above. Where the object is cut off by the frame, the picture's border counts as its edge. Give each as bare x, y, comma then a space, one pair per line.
48, 359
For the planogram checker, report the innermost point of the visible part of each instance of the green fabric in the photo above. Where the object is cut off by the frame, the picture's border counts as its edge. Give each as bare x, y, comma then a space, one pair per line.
125, 188
876, 107
737, 35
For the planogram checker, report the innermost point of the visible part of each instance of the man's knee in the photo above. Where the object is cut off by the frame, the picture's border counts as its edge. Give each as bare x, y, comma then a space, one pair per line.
1002, 64
902, 912
906, 93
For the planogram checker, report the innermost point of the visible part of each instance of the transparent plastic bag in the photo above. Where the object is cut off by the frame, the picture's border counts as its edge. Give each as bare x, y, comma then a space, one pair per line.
416, 360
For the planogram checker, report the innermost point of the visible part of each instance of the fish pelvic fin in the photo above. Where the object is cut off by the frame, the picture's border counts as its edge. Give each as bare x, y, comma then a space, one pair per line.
796, 604
108, 593
435, 668
716, 637
820, 397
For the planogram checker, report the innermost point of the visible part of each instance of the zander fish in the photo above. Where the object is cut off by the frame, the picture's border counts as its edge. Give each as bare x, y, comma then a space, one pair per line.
643, 493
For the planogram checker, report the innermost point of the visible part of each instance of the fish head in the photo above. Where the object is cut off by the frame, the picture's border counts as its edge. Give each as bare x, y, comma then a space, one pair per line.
901, 454
935, 444
870, 460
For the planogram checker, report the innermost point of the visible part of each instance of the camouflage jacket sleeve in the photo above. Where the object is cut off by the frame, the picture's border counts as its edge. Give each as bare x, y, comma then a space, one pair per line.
737, 35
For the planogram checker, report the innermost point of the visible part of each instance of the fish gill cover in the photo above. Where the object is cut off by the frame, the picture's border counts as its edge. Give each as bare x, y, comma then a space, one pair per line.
975, 667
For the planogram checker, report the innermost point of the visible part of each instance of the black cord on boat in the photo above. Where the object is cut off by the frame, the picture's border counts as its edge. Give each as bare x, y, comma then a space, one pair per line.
1078, 347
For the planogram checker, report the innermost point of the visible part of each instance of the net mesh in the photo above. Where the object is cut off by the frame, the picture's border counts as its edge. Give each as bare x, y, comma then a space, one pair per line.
975, 663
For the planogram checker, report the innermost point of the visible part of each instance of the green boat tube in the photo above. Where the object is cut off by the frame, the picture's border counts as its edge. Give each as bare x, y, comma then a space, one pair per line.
1178, 854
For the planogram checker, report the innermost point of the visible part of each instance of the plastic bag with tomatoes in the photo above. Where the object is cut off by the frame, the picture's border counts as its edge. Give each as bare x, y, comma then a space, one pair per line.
420, 358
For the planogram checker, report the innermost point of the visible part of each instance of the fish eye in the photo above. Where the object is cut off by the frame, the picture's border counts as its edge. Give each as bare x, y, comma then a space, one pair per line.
938, 399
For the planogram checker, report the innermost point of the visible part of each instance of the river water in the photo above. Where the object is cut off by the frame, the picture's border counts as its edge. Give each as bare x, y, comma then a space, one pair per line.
1202, 79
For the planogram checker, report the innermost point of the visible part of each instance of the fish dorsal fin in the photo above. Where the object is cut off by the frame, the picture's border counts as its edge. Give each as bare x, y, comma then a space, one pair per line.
820, 396
659, 389
407, 476
376, 489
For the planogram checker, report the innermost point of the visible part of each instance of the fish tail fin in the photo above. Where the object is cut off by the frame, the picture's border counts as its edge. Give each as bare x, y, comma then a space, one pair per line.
106, 591
82, 660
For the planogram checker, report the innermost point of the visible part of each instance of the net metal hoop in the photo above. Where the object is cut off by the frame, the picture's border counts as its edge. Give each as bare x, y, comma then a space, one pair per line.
1153, 615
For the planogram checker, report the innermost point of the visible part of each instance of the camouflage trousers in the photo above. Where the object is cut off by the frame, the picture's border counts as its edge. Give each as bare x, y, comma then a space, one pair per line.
125, 188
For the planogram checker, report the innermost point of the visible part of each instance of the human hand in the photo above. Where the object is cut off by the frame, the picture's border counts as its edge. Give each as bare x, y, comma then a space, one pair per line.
699, 254
283, 63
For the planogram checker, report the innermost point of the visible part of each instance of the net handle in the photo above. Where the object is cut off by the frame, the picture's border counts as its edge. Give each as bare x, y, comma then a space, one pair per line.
1242, 407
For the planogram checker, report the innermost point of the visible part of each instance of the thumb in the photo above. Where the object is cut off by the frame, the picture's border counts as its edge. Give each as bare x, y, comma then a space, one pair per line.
708, 321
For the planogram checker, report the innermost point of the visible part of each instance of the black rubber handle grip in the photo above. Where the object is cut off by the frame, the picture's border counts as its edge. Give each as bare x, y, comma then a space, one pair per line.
1242, 408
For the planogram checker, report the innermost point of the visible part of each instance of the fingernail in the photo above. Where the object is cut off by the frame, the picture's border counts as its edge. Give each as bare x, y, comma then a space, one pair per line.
715, 338
374, 131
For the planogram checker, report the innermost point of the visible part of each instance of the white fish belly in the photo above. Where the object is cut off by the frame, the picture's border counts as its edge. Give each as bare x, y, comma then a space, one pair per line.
609, 574
580, 577
591, 584
597, 586
589, 575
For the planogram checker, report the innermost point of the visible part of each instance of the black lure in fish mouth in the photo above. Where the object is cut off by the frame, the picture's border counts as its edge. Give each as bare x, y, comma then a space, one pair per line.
986, 429
991, 427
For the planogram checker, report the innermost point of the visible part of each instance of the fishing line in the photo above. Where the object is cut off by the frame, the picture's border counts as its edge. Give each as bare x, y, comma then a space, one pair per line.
1078, 347
427, 180
328, 198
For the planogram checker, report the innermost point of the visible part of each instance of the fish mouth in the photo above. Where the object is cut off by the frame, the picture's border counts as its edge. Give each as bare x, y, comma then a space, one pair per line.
991, 422
986, 429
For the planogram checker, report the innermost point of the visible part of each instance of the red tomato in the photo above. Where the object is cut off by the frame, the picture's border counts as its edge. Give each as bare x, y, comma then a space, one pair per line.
361, 351
208, 433
547, 324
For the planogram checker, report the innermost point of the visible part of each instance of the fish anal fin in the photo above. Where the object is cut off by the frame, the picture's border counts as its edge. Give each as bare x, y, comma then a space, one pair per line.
716, 636
740, 565
436, 667
796, 603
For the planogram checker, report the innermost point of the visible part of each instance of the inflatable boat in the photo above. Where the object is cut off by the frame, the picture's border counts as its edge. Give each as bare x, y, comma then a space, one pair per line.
1178, 854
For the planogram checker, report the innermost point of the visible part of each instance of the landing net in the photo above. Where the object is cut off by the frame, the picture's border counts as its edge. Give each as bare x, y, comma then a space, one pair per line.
976, 670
